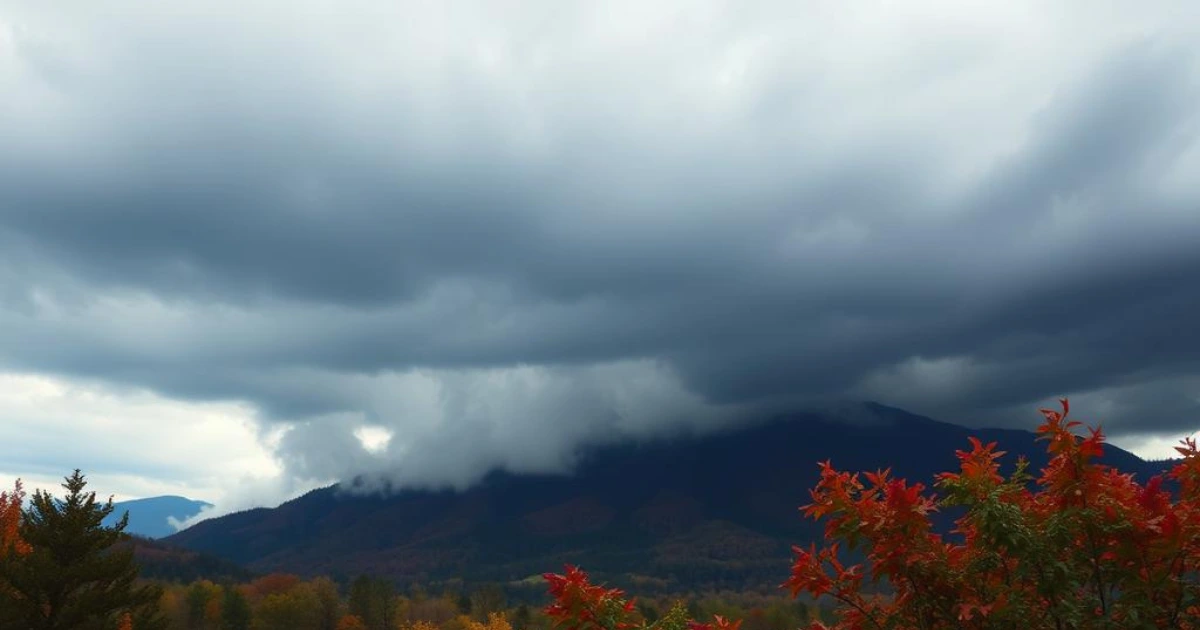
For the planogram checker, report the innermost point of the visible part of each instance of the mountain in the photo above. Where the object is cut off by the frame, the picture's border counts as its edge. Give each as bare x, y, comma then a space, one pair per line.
715, 511
150, 517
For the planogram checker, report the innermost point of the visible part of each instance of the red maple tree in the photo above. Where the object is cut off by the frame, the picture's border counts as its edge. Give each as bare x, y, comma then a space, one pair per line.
1080, 545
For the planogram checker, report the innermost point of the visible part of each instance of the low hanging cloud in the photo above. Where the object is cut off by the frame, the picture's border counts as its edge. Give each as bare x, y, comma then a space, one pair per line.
491, 235
451, 427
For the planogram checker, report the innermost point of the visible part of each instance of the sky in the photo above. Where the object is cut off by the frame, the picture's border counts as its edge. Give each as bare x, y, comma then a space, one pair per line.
250, 248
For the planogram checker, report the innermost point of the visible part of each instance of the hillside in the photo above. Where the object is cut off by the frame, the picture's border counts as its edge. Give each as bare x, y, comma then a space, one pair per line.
160, 561
712, 511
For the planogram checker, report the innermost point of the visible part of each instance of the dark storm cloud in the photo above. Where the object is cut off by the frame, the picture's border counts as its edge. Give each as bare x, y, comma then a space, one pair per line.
582, 245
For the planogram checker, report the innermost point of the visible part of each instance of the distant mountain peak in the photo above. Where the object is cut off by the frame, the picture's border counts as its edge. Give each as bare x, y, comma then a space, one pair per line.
152, 517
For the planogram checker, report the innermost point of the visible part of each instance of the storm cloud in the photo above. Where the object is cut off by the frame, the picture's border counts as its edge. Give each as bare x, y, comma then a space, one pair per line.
495, 232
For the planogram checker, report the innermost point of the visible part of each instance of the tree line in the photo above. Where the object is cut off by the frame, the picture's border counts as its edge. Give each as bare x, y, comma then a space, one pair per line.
61, 568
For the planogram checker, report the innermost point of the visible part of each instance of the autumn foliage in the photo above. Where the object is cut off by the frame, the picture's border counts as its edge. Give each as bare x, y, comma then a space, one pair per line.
581, 605
10, 522
1077, 545
351, 622
11, 542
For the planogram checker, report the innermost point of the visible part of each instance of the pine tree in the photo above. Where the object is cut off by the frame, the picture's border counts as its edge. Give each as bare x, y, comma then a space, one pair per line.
73, 578
197, 601
235, 610
372, 600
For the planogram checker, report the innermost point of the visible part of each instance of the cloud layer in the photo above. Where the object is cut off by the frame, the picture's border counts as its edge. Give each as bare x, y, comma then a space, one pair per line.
495, 232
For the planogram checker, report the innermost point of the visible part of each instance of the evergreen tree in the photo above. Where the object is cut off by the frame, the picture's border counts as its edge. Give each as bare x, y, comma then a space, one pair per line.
235, 610
197, 602
372, 600
73, 578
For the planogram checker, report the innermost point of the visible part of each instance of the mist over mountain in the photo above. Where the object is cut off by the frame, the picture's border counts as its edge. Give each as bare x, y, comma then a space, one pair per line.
711, 511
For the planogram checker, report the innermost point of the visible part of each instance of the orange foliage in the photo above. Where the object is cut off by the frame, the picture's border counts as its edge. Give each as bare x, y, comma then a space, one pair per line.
351, 622
126, 622
10, 522
272, 584
212, 610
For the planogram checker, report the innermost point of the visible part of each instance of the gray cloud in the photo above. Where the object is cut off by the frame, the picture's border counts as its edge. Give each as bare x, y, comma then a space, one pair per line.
504, 236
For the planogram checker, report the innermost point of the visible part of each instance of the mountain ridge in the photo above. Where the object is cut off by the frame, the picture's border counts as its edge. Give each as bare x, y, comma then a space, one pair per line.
710, 511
